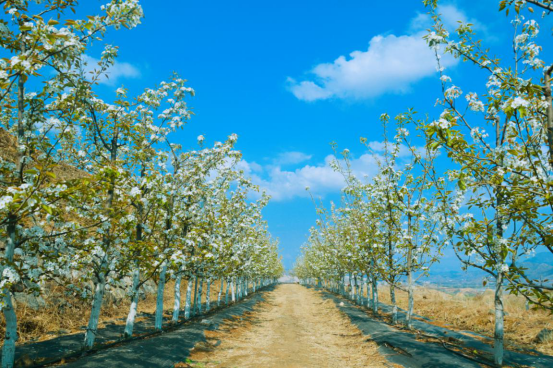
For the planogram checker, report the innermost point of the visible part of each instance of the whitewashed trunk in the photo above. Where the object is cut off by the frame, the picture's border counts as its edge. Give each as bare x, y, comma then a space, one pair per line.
220, 292
159, 299
356, 289
10, 335
375, 294
360, 290
368, 300
246, 282
411, 301
232, 291
242, 284
176, 305
499, 321
199, 297
129, 326
195, 297
97, 301
227, 292
394, 303
208, 296
351, 288
188, 300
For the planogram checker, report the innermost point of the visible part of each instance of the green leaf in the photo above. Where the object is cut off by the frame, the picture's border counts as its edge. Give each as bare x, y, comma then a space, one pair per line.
50, 174
47, 209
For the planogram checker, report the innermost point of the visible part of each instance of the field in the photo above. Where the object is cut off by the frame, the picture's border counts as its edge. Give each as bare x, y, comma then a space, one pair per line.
472, 310
64, 315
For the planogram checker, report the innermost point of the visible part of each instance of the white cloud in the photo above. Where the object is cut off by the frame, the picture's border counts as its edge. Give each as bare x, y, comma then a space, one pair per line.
284, 184
390, 65
119, 70
308, 90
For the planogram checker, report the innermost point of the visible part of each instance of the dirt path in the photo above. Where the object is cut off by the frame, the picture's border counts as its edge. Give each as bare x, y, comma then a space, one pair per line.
295, 327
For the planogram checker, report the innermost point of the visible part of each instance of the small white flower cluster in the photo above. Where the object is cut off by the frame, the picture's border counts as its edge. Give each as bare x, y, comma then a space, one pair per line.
453, 92
474, 103
128, 12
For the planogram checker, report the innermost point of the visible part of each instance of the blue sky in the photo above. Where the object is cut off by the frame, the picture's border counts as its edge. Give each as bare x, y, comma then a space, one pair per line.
290, 77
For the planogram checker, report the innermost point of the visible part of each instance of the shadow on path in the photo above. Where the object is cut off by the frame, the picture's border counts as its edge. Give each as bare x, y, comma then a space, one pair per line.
169, 348
155, 350
402, 347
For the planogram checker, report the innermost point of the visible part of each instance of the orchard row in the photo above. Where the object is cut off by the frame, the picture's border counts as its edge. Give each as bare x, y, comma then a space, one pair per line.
477, 180
95, 195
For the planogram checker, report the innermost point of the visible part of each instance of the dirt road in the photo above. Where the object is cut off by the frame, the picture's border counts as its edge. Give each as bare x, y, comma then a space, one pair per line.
294, 327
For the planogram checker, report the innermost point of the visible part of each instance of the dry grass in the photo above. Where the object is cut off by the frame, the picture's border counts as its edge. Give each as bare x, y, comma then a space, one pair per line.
67, 315
62, 171
466, 309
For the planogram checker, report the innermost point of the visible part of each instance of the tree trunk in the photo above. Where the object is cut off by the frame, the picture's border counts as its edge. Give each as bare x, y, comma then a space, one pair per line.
549, 124
394, 304
92, 328
129, 327
227, 292
356, 289
10, 336
220, 292
359, 289
232, 291
351, 287
410, 293
499, 320
159, 299
195, 298
200, 293
375, 294
207, 296
176, 305
367, 300
188, 299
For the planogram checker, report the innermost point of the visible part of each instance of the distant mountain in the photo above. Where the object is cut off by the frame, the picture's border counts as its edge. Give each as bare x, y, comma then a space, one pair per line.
539, 267
542, 257
456, 278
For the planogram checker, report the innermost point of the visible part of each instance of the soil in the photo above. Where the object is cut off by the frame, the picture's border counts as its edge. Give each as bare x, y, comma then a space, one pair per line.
293, 327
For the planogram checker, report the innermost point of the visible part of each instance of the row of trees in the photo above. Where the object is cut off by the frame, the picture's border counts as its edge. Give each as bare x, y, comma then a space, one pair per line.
493, 203
94, 193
